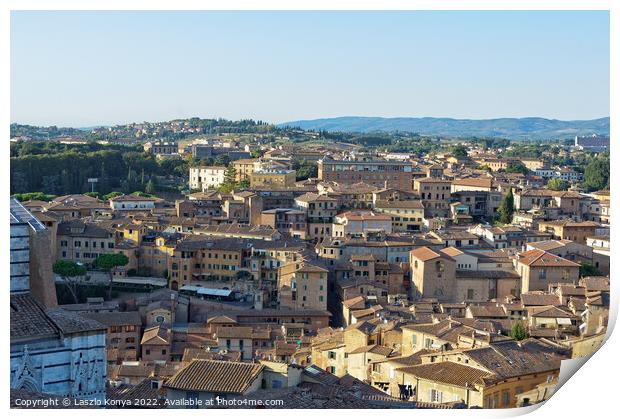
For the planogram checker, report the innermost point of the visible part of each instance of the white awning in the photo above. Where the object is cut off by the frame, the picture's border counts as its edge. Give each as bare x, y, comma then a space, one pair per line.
564, 321
215, 292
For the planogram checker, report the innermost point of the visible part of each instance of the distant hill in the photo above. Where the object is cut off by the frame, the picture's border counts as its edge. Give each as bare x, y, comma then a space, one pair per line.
512, 128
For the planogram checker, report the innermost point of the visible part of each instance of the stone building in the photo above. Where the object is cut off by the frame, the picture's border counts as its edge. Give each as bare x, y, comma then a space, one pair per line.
303, 285
435, 195
538, 269
83, 242
123, 334
378, 173
273, 177
433, 274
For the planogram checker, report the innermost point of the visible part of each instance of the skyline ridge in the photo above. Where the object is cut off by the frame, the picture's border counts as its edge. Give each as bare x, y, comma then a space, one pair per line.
285, 123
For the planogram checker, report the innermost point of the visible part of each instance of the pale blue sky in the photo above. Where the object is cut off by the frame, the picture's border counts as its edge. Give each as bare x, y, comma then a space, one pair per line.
90, 68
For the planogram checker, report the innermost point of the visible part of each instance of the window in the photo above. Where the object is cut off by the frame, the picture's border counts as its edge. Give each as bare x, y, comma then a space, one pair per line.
435, 396
470, 294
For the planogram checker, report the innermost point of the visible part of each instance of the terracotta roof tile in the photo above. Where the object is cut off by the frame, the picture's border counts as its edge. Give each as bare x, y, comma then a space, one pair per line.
447, 372
537, 257
215, 376
28, 318
424, 253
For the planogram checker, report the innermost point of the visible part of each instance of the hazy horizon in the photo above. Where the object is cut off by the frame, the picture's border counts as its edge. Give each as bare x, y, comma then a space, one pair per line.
304, 119
84, 69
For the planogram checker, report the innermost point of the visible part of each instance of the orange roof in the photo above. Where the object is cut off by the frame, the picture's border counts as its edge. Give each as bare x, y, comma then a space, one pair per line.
365, 215
424, 253
215, 376
537, 257
477, 182
452, 251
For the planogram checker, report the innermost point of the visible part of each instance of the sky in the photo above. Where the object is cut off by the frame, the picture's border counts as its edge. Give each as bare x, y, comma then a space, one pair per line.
83, 69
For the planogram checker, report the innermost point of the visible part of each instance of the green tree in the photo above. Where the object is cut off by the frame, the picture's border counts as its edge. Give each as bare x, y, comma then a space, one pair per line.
517, 168
305, 170
587, 269
558, 184
112, 195
33, 196
50, 183
506, 208
69, 271
230, 182
222, 160
459, 150
142, 194
109, 262
518, 331
596, 174
150, 187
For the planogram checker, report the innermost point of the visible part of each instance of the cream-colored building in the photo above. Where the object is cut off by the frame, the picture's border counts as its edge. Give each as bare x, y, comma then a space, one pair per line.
488, 377
302, 285
273, 177
435, 195
206, 177
406, 215
83, 242
359, 222
244, 169
538, 269
362, 360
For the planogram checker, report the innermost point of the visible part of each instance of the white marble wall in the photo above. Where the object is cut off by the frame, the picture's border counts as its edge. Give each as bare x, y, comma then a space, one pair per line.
74, 366
20, 258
